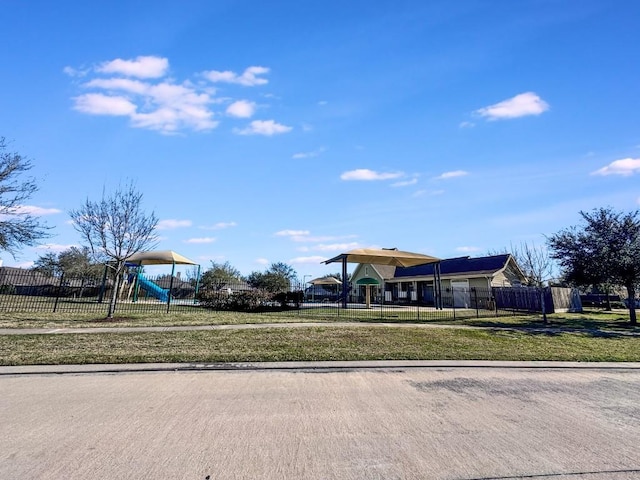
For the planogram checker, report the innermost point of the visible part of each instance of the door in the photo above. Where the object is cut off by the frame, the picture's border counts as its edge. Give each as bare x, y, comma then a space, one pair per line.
461, 294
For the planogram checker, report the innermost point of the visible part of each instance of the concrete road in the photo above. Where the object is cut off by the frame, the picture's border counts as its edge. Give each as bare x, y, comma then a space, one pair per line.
395, 423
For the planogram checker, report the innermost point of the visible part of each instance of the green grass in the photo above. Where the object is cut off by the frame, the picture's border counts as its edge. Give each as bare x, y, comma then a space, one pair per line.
144, 319
316, 343
592, 321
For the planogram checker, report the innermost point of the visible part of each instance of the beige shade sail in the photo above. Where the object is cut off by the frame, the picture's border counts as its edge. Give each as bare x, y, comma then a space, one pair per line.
383, 256
159, 257
325, 281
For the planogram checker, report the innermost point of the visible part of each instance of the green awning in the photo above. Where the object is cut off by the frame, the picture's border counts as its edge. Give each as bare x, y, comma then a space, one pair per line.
367, 281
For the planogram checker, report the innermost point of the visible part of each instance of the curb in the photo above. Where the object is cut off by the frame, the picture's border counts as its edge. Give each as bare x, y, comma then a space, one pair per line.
323, 366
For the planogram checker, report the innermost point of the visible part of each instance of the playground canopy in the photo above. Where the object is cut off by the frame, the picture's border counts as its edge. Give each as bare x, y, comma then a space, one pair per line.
159, 257
325, 281
383, 256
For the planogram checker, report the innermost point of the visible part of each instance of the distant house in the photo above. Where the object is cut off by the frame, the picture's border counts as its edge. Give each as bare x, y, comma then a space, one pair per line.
380, 273
25, 282
459, 276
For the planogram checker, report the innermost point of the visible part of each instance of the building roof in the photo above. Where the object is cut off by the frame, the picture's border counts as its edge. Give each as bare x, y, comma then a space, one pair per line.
459, 265
385, 271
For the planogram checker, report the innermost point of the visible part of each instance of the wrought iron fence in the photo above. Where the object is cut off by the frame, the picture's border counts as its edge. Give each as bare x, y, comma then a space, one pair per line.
29, 291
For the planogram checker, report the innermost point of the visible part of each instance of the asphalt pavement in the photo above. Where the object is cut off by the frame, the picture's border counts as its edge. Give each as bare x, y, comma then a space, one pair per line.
328, 420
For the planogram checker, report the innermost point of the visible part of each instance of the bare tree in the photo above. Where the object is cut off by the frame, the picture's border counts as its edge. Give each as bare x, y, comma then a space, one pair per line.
115, 228
536, 264
18, 226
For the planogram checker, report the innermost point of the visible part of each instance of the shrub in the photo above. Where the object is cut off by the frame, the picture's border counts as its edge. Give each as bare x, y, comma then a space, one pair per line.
245, 301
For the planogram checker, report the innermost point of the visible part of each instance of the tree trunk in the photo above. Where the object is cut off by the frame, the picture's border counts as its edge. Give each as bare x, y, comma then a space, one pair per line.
631, 295
114, 293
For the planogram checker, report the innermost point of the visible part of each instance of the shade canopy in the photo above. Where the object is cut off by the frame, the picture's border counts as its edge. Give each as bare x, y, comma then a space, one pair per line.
325, 281
159, 257
367, 281
383, 256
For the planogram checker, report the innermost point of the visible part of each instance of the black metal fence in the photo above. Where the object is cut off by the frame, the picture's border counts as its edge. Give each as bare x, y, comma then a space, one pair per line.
30, 291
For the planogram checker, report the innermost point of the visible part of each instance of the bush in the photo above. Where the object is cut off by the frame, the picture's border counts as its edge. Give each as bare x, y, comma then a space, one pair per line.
7, 290
245, 301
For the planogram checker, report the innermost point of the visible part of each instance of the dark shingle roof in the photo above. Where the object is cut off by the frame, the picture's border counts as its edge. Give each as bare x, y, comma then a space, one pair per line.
452, 266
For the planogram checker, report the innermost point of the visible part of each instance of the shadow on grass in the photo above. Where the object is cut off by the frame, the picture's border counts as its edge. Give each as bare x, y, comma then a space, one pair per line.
610, 327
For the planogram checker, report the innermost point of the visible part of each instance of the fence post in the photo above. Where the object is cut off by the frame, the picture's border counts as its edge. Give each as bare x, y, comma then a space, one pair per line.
55, 304
475, 298
453, 304
103, 286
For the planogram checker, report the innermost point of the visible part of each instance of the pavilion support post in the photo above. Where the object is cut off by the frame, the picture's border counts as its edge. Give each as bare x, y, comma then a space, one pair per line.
195, 295
437, 287
173, 270
345, 284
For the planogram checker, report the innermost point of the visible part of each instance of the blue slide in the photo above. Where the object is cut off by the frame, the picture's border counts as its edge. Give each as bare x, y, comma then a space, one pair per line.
152, 288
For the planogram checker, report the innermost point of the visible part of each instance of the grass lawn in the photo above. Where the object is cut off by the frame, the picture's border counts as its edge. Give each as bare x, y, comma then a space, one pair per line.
595, 336
590, 320
317, 343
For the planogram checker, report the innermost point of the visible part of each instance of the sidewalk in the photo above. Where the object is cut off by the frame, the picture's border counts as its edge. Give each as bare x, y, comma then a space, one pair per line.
246, 326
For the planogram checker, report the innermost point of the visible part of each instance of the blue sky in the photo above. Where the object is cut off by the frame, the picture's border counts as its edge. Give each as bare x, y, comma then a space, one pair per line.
293, 131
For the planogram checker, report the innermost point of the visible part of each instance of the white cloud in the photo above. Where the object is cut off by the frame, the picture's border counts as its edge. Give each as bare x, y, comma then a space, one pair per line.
364, 174
332, 247
201, 240
422, 193
322, 103
141, 67
249, 78
75, 72
625, 167
307, 260
241, 109
263, 127
172, 223
262, 261
312, 154
54, 247
519, 106
292, 233
28, 264
31, 210
139, 89
126, 84
165, 107
467, 249
99, 104
221, 226
452, 174
405, 183
467, 125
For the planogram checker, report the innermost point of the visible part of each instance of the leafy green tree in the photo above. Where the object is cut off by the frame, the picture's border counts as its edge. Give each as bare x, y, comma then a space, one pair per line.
77, 262
604, 249
277, 278
18, 226
48, 265
74, 262
114, 228
220, 275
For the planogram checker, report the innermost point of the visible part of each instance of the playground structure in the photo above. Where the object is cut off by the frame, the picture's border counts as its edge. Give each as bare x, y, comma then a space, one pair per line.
152, 289
138, 281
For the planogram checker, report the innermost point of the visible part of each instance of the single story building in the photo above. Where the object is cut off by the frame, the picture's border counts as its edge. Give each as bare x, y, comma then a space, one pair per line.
460, 277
